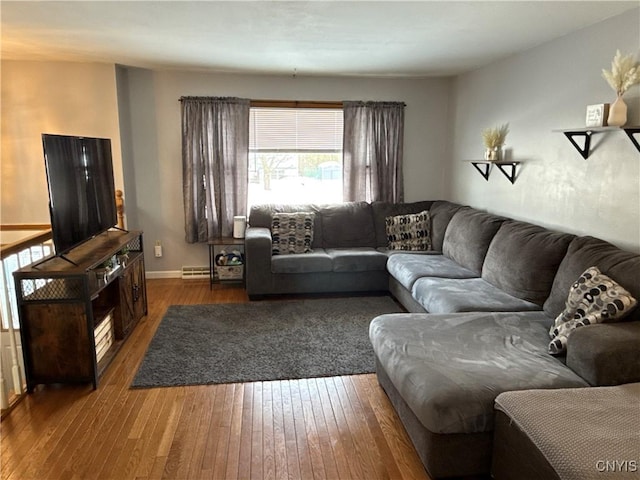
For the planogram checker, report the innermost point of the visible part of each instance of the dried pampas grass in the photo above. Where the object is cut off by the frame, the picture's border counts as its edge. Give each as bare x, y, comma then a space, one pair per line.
494, 137
624, 73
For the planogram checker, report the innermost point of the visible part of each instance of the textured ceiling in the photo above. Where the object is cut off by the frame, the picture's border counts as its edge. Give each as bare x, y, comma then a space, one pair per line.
419, 38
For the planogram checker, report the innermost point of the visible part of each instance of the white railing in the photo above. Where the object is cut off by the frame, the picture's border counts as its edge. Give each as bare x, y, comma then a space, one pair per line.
20, 247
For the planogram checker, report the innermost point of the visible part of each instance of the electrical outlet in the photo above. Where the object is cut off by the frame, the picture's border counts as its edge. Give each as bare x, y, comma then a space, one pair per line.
158, 249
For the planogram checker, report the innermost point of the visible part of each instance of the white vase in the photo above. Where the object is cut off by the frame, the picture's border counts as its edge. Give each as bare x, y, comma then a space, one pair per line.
493, 154
617, 113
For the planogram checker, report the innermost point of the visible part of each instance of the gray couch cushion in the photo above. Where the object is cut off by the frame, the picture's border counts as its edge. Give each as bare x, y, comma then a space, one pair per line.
468, 236
348, 225
382, 210
262, 216
441, 214
316, 261
523, 259
363, 259
406, 268
585, 252
450, 368
446, 295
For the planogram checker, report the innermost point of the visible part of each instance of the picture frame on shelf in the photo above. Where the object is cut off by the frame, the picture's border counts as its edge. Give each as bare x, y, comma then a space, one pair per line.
597, 115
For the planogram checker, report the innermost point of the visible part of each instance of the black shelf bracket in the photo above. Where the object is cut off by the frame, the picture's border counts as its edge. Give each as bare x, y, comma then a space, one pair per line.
584, 150
508, 169
630, 133
512, 166
484, 168
586, 133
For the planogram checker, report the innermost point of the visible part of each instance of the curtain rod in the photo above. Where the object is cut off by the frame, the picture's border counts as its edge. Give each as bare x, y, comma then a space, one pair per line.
294, 103
275, 103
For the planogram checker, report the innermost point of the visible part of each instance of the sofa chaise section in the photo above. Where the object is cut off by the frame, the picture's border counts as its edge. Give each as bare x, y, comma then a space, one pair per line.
482, 302
443, 373
462, 360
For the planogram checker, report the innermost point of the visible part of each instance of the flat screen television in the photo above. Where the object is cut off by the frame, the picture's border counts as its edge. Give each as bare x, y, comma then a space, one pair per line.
81, 188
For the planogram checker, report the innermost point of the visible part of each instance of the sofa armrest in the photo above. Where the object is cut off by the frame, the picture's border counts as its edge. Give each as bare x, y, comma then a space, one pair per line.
606, 353
257, 252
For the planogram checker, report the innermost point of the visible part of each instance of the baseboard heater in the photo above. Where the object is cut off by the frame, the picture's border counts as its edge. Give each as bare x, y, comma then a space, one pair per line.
194, 272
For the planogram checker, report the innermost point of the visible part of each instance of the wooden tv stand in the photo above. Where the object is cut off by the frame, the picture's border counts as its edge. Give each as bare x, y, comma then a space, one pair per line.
74, 314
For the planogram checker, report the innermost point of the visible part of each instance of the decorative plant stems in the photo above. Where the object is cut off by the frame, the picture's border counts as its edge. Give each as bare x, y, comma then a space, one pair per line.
495, 137
624, 73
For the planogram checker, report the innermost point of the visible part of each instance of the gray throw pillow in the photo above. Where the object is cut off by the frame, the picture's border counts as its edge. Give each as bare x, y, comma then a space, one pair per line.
409, 232
593, 298
292, 232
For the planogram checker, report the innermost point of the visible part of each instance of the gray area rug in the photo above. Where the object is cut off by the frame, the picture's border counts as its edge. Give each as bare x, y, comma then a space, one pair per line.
260, 341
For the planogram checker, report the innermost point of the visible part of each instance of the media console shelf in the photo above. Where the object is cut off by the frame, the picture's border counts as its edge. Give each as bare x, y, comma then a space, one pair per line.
75, 316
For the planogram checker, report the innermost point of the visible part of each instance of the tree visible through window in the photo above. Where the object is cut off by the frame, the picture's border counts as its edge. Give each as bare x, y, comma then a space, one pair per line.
295, 155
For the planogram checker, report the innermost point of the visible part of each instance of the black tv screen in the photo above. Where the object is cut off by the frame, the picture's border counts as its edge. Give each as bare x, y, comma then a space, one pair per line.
81, 190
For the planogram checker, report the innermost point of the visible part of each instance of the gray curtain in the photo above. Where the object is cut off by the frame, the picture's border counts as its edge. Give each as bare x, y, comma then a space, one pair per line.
372, 151
215, 157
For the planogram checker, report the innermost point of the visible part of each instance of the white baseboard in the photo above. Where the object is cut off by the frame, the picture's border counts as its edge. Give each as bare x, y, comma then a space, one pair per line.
164, 274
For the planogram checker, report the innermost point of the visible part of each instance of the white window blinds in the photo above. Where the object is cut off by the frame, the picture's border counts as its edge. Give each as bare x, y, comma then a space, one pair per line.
295, 129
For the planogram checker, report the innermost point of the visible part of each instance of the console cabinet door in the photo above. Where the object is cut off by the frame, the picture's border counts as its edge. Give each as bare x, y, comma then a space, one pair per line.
139, 289
57, 346
127, 315
133, 296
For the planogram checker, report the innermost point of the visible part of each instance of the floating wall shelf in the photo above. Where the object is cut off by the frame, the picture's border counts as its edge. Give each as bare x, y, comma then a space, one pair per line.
508, 169
586, 133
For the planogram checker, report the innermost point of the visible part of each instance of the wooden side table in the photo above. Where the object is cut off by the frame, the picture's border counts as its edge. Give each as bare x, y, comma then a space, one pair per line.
236, 243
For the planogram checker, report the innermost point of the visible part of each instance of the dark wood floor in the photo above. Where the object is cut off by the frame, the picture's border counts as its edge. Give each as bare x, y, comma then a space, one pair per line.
337, 427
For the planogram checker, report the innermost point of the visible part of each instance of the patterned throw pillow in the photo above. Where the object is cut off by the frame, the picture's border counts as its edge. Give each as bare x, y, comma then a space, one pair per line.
409, 232
292, 232
593, 298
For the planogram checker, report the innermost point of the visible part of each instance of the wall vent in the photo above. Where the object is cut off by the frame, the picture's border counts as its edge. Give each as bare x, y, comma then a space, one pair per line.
194, 272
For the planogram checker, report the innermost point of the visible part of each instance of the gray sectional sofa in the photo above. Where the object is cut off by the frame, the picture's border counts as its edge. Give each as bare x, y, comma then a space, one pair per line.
349, 249
480, 306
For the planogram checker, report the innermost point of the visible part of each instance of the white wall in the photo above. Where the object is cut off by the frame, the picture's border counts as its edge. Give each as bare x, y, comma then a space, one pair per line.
149, 101
536, 92
50, 97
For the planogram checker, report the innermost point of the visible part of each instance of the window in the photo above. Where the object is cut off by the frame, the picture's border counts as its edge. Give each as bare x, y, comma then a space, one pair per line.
295, 155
